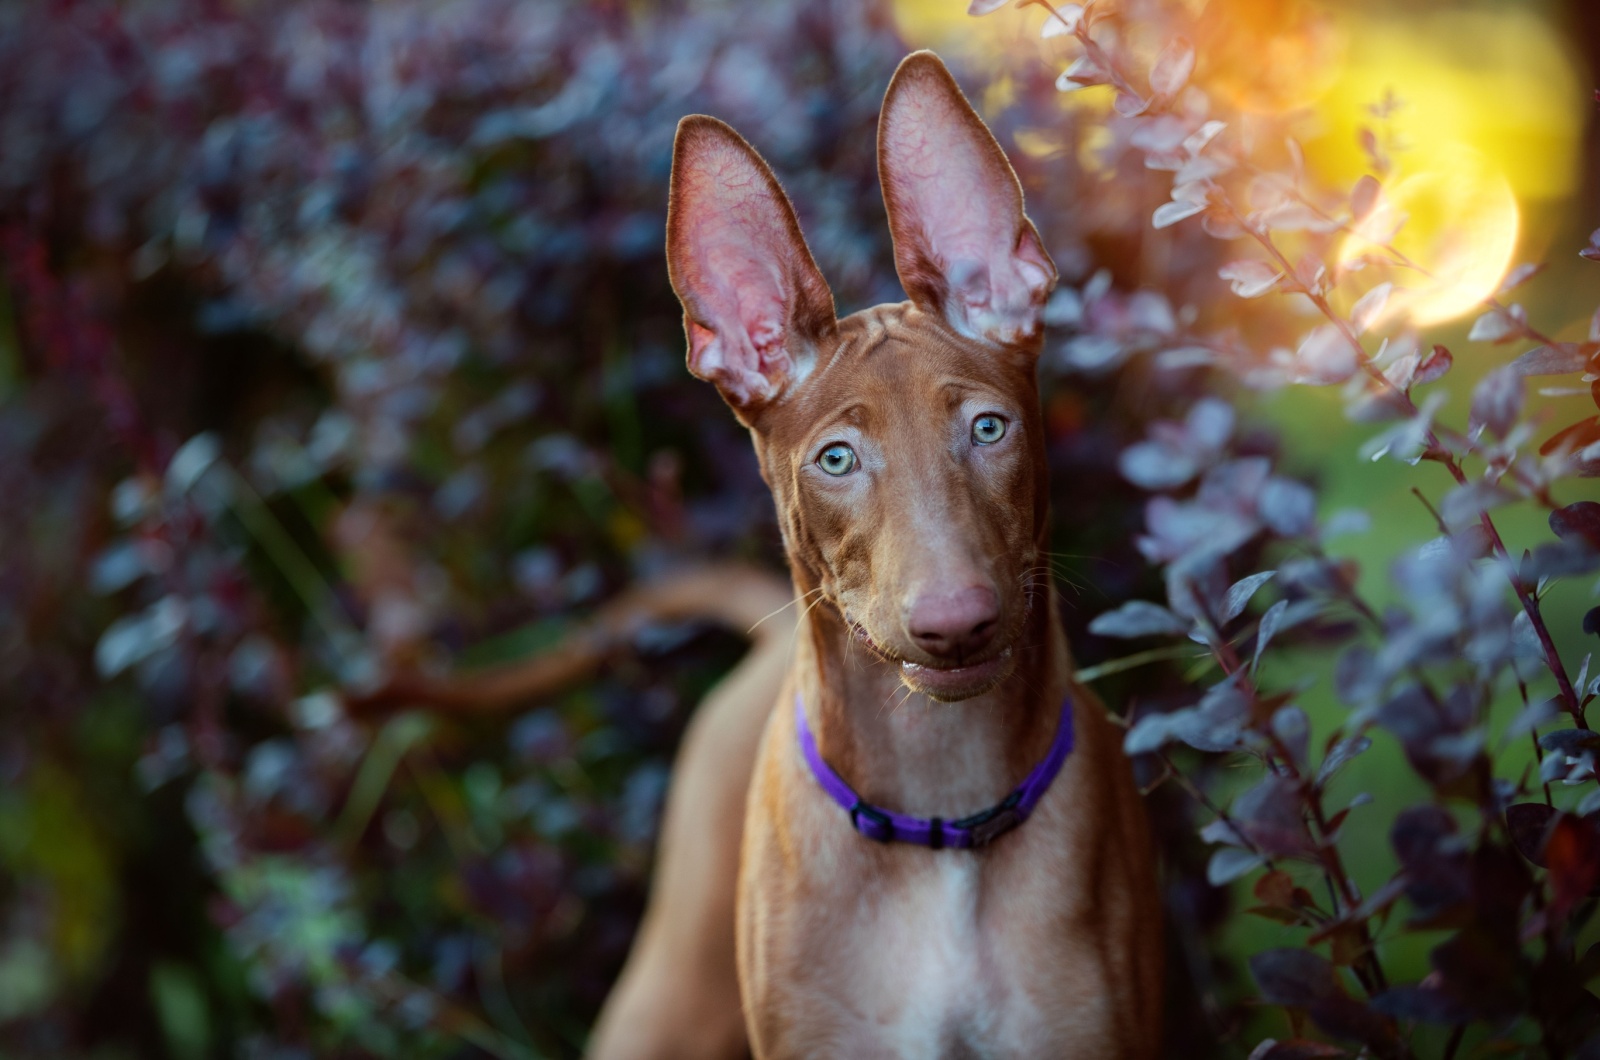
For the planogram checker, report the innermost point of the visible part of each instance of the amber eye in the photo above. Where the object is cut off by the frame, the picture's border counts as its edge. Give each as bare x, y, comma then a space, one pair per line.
988, 429
837, 459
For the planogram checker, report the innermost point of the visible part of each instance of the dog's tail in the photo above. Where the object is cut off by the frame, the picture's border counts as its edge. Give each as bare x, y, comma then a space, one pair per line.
678, 994
739, 597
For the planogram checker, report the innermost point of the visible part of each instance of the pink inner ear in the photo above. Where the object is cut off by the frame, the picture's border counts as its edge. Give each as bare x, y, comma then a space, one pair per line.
962, 243
749, 287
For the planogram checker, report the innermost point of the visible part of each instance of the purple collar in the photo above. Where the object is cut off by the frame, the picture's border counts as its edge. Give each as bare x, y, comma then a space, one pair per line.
972, 831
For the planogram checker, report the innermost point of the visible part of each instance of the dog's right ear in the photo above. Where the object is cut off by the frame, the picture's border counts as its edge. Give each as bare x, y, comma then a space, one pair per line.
754, 303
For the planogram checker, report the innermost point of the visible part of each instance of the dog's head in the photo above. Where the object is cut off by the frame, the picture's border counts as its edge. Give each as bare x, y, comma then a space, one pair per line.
903, 444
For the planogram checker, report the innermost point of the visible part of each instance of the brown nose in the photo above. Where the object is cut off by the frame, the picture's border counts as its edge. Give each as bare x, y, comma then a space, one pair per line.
954, 623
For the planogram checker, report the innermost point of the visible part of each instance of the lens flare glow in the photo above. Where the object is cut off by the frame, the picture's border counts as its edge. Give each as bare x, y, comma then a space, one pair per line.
1500, 82
1457, 221
1269, 56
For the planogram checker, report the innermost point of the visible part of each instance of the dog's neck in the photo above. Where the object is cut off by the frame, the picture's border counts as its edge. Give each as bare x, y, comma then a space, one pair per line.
910, 753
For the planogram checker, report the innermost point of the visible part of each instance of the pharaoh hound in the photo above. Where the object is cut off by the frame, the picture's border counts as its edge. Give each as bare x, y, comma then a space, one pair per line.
906, 831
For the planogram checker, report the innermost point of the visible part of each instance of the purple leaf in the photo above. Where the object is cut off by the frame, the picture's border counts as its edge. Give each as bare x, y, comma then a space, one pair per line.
1559, 359
1497, 325
1293, 730
1196, 585
1310, 272
1160, 135
1250, 278
1220, 831
1185, 357
1528, 823
133, 638
1570, 741
1093, 353
1235, 484
1154, 466
1496, 402
1129, 105
1536, 714
1230, 863
1138, 618
1270, 622
1297, 157
1239, 594
1346, 521
1062, 21
1325, 358
1419, 832
1562, 559
1433, 366
1578, 522
1271, 816
1210, 423
984, 7
1189, 725
1221, 226
192, 460
1424, 1004
1202, 137
1081, 74
1340, 756
1172, 68
1289, 508
1520, 275
1364, 196
1577, 439
1592, 251
1170, 213
1369, 307
1461, 506
1177, 529
1294, 977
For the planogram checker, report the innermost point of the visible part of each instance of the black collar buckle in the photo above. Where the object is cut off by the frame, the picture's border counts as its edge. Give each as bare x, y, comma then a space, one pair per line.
988, 825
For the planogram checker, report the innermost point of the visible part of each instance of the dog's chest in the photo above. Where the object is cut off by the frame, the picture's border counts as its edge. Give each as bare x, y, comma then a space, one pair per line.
934, 966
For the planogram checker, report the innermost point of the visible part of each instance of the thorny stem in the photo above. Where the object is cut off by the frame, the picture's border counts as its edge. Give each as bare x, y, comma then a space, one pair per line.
1436, 451
1533, 734
1454, 1043
1091, 674
1438, 520
1200, 796
1092, 47
1333, 865
1327, 853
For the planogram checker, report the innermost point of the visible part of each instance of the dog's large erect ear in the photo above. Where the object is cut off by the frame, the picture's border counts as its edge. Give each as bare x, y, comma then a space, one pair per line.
754, 303
962, 245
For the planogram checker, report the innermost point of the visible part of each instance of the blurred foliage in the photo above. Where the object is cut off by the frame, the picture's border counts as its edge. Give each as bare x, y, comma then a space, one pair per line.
335, 340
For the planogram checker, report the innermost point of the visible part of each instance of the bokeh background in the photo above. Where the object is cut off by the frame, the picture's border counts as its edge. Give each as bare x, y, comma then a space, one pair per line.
335, 340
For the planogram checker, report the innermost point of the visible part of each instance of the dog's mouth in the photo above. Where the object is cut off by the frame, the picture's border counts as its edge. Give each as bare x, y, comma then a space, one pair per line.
948, 684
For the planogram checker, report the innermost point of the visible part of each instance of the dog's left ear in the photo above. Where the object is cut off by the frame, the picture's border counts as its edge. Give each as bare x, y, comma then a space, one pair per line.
962, 245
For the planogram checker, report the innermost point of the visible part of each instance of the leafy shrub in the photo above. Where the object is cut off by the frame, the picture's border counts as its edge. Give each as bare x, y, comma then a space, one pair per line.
1495, 867
338, 341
